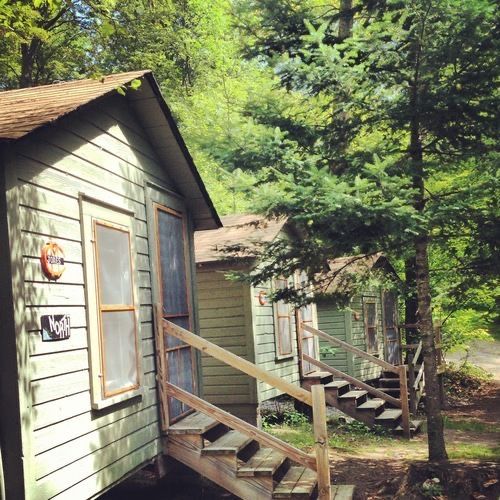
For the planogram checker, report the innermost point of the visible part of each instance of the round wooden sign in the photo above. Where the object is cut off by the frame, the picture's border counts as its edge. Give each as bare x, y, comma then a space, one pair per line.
52, 260
262, 296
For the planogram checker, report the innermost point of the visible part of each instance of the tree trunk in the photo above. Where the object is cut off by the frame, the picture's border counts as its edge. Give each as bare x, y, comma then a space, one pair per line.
435, 423
345, 20
411, 305
29, 53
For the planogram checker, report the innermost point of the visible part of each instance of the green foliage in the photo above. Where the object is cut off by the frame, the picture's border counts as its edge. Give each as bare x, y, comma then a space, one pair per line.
464, 327
463, 382
432, 488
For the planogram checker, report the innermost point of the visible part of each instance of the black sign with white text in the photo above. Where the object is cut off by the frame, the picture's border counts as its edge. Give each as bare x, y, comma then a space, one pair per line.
55, 327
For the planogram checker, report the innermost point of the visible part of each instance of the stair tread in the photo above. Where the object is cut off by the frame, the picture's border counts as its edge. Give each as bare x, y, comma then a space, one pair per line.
389, 389
336, 384
342, 491
389, 414
371, 404
414, 425
298, 481
265, 462
318, 374
353, 394
231, 442
196, 423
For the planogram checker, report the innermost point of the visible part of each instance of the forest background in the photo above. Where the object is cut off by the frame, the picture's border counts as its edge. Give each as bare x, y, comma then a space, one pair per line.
371, 124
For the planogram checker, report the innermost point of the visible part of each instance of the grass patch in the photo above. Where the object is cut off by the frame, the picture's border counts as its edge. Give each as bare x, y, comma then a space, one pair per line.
469, 425
472, 451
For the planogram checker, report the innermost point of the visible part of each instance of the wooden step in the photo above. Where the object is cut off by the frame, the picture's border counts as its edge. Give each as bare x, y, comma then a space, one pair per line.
317, 374
389, 418
298, 482
372, 404
264, 463
390, 390
196, 423
388, 382
337, 384
230, 443
414, 426
342, 491
354, 395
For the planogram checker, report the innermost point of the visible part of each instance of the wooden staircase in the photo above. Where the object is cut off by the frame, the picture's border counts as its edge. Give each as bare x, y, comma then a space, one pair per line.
359, 404
240, 464
240, 457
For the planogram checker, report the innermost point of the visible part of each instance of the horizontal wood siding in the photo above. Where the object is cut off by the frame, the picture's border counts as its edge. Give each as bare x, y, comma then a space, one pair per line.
331, 320
265, 346
102, 153
363, 369
223, 321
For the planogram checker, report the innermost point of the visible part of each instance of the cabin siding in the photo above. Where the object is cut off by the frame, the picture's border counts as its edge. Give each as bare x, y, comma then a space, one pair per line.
72, 451
225, 320
333, 321
265, 346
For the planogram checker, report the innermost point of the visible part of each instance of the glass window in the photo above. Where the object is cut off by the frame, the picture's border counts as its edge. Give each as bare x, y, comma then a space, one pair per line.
283, 323
118, 339
371, 326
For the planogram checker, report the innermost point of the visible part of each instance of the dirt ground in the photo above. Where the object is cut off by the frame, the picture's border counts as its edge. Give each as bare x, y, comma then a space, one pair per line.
378, 473
485, 354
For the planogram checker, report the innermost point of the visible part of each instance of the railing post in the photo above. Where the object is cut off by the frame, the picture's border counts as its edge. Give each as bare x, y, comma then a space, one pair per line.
321, 441
403, 395
411, 380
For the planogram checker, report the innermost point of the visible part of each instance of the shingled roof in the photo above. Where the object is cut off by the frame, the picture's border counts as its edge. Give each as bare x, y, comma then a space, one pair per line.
24, 111
245, 229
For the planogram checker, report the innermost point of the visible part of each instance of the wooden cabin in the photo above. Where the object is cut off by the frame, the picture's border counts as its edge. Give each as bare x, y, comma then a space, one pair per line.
369, 322
242, 318
99, 202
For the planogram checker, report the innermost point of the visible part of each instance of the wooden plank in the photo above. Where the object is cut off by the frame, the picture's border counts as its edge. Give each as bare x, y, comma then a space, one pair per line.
321, 441
230, 443
77, 340
305, 486
354, 381
285, 487
350, 348
32, 317
61, 409
240, 425
196, 423
72, 473
45, 390
60, 456
263, 463
72, 428
58, 363
237, 362
94, 484
403, 388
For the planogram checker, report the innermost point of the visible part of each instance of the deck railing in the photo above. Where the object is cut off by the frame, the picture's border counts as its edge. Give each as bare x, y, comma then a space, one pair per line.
400, 370
416, 379
316, 399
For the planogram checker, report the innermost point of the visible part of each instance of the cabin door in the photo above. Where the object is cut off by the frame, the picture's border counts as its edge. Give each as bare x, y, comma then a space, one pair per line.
391, 331
306, 340
177, 359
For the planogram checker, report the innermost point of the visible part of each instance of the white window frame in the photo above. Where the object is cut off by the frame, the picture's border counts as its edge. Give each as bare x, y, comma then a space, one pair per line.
95, 212
367, 301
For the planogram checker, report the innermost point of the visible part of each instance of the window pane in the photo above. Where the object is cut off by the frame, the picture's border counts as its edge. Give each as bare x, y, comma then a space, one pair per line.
120, 363
306, 313
115, 280
172, 263
285, 340
370, 314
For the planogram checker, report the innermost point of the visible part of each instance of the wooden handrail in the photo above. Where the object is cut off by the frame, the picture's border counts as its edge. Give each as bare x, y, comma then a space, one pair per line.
352, 380
418, 377
417, 353
236, 362
240, 425
357, 352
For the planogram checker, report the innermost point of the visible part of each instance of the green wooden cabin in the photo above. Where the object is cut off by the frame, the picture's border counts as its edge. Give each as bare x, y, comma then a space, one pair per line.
369, 322
242, 319
102, 184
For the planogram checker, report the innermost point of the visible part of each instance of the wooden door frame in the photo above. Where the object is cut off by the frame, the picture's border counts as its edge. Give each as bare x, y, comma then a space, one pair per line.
383, 293
161, 196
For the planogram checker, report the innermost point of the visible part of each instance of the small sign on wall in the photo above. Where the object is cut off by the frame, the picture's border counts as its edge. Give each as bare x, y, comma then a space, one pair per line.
55, 327
52, 261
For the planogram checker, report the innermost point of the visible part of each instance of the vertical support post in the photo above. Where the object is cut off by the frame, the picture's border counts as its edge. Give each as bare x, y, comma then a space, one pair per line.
411, 382
403, 391
161, 369
321, 441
